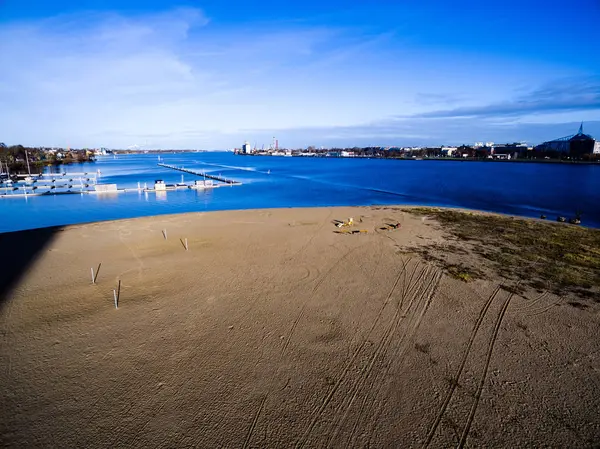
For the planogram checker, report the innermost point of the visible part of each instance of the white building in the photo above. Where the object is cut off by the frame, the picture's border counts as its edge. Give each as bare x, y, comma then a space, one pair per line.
597, 147
246, 148
449, 151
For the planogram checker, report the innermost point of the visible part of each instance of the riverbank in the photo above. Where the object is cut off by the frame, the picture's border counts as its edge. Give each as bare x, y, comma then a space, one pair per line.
594, 159
508, 161
277, 328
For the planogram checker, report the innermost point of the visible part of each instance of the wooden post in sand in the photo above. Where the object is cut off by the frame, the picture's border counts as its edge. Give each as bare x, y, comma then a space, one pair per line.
165, 234
186, 245
95, 275
93, 279
116, 301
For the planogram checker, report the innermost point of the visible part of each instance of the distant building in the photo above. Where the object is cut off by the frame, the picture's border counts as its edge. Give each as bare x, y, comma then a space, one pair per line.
508, 151
448, 151
597, 147
574, 146
246, 149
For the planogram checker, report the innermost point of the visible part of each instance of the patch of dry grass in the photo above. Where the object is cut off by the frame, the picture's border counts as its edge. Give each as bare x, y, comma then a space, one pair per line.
561, 257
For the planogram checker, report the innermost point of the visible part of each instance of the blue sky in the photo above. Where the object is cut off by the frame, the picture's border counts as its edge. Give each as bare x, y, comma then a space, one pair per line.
212, 74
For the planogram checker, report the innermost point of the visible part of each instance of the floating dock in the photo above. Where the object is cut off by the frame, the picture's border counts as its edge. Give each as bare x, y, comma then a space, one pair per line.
42, 184
35, 176
199, 173
24, 186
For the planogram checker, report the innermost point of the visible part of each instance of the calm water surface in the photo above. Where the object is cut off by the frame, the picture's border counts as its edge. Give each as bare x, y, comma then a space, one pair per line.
512, 188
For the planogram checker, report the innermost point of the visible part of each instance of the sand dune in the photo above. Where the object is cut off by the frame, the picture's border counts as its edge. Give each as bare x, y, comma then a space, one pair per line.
273, 330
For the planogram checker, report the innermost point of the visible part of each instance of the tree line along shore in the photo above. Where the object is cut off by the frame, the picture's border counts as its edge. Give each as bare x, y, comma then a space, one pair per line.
17, 159
20, 159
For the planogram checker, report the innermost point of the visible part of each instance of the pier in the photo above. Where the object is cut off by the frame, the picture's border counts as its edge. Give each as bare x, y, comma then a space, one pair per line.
199, 173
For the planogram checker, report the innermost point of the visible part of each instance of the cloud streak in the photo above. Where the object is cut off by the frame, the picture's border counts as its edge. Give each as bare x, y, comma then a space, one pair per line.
179, 79
432, 132
559, 97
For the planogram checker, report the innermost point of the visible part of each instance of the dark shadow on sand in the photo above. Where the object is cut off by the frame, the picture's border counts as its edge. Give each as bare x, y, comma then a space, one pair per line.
18, 251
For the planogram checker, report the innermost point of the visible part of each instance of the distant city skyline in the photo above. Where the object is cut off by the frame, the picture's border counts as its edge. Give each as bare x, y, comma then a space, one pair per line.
213, 74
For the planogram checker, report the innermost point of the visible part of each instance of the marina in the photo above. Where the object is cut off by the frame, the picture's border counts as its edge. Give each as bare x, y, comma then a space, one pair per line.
21, 185
45, 184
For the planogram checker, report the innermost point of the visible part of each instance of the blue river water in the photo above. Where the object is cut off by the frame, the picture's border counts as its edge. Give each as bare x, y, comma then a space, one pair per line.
525, 189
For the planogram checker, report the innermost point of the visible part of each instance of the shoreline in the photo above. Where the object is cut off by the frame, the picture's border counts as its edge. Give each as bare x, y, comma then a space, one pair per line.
405, 206
447, 159
454, 224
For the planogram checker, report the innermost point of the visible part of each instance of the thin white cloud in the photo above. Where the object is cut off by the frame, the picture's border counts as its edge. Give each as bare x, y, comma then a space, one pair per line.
177, 79
563, 96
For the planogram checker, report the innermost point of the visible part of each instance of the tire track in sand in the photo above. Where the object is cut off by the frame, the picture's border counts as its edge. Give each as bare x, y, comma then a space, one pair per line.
140, 262
253, 426
537, 305
413, 325
381, 349
545, 308
313, 291
533, 303
293, 328
317, 413
419, 303
461, 367
311, 238
321, 279
467, 428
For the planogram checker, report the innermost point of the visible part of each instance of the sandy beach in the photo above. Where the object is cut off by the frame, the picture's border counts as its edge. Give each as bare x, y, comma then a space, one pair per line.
275, 329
